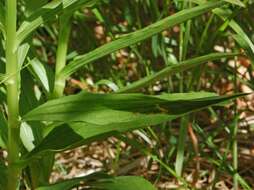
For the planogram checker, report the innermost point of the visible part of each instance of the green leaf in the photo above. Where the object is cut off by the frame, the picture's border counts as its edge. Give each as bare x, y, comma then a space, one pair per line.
241, 37
39, 170
173, 69
32, 6
123, 183
22, 53
40, 73
137, 36
109, 183
96, 116
245, 45
47, 13
99, 108
53, 142
35, 20
28, 98
26, 136
108, 83
64, 185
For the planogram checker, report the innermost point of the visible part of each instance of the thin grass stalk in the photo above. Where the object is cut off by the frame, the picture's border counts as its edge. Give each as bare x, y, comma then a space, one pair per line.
184, 40
234, 134
13, 84
181, 145
63, 40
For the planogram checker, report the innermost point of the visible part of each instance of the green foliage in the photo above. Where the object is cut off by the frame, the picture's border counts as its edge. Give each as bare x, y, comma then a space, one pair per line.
123, 182
94, 116
37, 120
100, 109
137, 36
172, 69
103, 183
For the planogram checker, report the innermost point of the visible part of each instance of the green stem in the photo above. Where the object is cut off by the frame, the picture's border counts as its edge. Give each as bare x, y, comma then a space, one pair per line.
12, 94
234, 133
59, 84
181, 145
184, 40
235, 156
63, 39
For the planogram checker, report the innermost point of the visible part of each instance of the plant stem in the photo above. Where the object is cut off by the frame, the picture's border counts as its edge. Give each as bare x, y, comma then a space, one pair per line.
63, 39
234, 133
184, 40
235, 155
181, 145
12, 94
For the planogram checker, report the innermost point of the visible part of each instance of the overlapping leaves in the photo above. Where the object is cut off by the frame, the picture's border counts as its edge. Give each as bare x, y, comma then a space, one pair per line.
139, 35
87, 117
48, 12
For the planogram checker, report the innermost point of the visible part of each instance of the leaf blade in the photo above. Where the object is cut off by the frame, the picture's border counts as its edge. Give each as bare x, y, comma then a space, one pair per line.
172, 69
46, 13
137, 113
137, 36
124, 183
88, 107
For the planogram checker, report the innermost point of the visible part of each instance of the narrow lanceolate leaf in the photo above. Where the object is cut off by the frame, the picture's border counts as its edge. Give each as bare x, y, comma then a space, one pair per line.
64, 185
103, 182
26, 136
172, 69
137, 36
244, 38
22, 53
104, 109
39, 71
123, 183
97, 116
75, 182
47, 13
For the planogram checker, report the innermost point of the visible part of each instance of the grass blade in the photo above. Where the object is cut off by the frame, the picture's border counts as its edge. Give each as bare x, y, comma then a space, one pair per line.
181, 145
172, 69
137, 36
235, 26
47, 13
